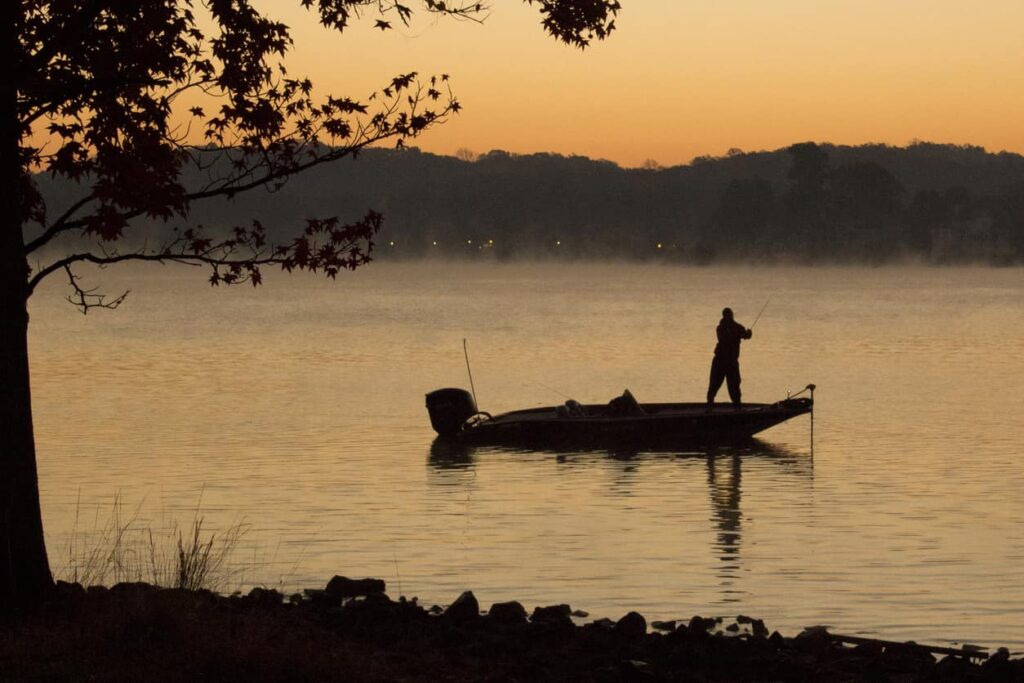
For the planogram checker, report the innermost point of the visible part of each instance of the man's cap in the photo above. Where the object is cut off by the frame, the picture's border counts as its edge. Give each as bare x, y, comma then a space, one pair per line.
727, 313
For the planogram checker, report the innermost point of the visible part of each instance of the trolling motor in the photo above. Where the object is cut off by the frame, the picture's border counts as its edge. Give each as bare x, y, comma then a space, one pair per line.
799, 402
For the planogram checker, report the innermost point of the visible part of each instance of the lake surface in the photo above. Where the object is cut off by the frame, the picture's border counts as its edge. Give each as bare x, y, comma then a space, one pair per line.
298, 409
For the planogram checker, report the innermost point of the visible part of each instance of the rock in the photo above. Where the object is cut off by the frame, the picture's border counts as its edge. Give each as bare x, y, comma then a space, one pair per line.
375, 600
952, 668
464, 609
70, 592
343, 587
604, 623
264, 596
758, 628
508, 612
664, 625
635, 670
633, 625
869, 650
552, 614
580, 614
733, 628
813, 640
133, 588
908, 657
320, 599
699, 624
998, 666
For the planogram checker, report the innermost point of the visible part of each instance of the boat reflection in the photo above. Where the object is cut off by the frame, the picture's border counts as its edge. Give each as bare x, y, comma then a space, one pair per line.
446, 454
453, 464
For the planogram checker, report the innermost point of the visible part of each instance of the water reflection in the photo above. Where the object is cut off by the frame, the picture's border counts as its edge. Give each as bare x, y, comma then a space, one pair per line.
446, 454
452, 464
724, 487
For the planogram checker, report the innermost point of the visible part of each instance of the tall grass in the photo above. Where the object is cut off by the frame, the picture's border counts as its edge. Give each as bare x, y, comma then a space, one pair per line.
121, 548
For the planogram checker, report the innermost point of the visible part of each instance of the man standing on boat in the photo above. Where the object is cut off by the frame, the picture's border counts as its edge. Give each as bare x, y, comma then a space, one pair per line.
726, 363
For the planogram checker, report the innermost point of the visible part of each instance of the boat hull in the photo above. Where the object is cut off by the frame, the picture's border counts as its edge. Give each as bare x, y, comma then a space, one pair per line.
669, 424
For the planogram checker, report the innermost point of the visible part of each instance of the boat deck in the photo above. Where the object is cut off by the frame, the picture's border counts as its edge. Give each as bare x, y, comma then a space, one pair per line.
603, 412
673, 423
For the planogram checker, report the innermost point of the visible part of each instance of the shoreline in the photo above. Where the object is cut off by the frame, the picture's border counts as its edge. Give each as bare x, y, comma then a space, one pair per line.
352, 630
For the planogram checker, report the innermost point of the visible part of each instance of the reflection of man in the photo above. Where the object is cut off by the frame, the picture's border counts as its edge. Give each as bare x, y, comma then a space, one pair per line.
726, 363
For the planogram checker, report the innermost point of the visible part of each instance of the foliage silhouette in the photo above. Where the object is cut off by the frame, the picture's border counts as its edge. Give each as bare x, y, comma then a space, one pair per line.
90, 94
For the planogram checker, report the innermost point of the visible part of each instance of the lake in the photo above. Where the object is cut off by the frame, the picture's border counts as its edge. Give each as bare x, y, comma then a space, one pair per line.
297, 409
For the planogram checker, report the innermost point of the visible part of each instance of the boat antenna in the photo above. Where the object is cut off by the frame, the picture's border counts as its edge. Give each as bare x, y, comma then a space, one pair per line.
760, 312
465, 352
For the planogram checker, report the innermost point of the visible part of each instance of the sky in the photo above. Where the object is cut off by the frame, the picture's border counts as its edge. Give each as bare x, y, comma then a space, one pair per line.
685, 78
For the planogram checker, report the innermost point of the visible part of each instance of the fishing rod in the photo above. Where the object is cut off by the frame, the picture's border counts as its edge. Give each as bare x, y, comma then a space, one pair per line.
465, 352
761, 311
552, 389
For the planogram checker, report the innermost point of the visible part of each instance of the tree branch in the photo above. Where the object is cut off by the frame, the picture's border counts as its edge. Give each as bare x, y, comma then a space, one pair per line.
384, 125
58, 225
87, 299
325, 246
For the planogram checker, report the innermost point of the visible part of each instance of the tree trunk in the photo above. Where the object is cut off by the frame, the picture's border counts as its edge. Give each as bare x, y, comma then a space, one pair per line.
25, 576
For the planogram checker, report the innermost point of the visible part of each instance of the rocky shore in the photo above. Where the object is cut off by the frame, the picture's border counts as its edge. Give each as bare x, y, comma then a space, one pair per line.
351, 630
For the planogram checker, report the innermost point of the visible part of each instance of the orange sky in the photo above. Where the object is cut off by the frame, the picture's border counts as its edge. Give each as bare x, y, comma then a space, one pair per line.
682, 78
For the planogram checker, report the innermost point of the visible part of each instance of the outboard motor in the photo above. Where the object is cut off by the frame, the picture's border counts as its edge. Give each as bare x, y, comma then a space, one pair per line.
448, 409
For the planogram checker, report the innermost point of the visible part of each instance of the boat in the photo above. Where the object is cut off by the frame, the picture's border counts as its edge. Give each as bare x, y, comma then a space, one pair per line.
623, 420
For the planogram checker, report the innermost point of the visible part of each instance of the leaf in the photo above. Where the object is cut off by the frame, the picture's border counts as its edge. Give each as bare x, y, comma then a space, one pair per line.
404, 12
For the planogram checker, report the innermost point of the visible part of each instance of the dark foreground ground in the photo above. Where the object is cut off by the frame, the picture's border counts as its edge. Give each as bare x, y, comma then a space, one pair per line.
351, 631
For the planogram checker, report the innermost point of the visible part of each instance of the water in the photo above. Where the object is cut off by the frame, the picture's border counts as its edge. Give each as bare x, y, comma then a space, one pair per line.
298, 408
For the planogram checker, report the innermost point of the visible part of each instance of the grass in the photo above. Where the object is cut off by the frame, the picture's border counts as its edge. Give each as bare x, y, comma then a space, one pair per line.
121, 549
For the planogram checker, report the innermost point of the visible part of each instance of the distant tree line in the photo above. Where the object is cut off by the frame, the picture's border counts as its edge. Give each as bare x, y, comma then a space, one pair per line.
805, 203
860, 211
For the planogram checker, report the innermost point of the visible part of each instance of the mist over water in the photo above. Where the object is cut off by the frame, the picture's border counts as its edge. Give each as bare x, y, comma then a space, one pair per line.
298, 408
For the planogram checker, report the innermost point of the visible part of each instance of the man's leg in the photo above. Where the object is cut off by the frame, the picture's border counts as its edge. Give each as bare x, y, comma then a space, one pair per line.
732, 378
716, 379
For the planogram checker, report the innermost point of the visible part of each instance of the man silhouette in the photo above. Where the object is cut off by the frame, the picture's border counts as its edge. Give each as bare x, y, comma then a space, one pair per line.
726, 363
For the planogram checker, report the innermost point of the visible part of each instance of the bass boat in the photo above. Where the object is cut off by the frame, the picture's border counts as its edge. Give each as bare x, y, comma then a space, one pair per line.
454, 415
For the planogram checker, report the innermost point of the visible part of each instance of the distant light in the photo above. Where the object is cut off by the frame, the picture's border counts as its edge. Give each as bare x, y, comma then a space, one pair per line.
558, 243
435, 243
490, 241
391, 243
659, 245
469, 241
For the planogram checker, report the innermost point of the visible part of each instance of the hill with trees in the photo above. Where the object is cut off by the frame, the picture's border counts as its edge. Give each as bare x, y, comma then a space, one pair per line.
804, 203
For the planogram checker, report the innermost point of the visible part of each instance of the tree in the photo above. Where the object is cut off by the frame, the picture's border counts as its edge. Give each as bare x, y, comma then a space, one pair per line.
744, 222
866, 203
92, 92
1009, 219
805, 199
